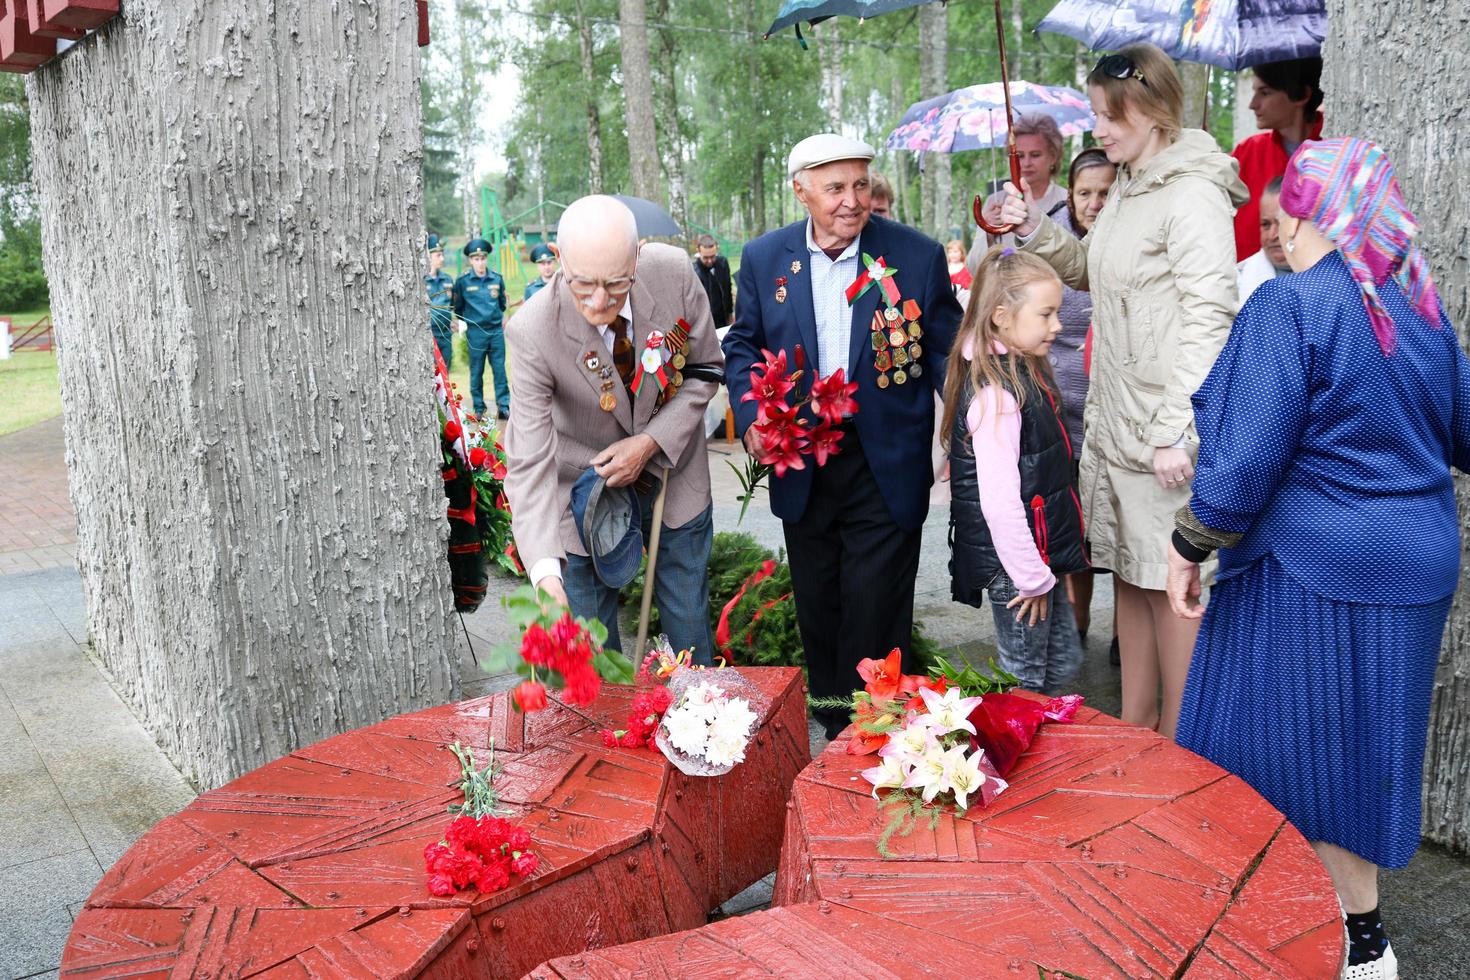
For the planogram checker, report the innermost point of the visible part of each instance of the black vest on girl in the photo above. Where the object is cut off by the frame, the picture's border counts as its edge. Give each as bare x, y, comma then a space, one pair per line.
1052, 508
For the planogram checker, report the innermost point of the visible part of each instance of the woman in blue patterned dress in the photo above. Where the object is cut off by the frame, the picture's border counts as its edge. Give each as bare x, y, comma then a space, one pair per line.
1328, 428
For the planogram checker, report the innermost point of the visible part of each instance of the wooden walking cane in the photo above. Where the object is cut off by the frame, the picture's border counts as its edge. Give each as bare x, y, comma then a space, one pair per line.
648, 576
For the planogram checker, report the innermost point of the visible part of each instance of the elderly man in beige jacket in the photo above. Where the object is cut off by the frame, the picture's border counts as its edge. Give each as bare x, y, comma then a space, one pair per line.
574, 350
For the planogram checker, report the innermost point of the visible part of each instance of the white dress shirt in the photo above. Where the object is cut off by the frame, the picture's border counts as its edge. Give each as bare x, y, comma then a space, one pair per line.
1252, 271
830, 279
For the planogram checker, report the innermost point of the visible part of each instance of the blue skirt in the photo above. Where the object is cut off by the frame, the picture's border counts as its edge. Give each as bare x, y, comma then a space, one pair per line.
1322, 706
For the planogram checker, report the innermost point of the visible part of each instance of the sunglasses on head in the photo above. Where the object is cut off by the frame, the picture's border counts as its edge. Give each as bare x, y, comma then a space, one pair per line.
1121, 67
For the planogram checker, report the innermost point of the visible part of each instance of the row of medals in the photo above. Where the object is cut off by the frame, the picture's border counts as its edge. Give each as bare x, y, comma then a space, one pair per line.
896, 347
604, 371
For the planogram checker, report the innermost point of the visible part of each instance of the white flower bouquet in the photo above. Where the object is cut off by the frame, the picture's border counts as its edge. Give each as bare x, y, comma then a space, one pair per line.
711, 721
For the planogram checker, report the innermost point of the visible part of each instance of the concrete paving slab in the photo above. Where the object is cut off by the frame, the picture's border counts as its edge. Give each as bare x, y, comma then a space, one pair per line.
34, 920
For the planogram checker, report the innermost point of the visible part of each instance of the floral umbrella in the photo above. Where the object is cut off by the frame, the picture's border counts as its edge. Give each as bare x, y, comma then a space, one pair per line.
1230, 34
974, 118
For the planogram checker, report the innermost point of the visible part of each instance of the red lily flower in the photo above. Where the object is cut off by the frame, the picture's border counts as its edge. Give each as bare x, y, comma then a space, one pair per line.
824, 439
832, 398
916, 703
782, 446
882, 678
768, 381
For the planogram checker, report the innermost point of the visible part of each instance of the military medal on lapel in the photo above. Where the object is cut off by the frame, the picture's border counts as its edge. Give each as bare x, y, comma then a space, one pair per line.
895, 328
594, 364
781, 287
663, 359
796, 267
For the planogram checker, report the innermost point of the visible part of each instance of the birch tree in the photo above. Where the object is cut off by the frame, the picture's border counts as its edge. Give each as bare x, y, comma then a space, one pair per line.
643, 148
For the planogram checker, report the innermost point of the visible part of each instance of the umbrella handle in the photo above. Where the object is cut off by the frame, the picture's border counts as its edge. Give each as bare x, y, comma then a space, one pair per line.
978, 207
1015, 154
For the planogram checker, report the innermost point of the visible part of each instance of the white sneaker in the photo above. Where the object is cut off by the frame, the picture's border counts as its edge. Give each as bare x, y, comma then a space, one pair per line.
1386, 967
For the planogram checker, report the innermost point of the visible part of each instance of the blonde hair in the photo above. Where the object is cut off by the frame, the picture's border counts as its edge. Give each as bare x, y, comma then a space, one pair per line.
1036, 124
1158, 96
1002, 280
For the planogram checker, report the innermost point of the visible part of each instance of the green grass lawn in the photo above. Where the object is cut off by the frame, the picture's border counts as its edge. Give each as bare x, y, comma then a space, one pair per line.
29, 391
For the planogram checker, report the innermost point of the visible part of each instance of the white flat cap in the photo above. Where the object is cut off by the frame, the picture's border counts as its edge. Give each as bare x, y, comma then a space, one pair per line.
825, 148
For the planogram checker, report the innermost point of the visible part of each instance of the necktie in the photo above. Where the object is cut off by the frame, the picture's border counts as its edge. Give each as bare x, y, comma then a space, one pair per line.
623, 351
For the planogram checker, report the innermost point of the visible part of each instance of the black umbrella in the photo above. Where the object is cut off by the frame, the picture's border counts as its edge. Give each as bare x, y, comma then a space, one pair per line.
652, 220
814, 11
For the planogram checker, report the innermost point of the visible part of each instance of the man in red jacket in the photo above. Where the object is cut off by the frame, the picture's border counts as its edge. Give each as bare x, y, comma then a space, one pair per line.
1286, 96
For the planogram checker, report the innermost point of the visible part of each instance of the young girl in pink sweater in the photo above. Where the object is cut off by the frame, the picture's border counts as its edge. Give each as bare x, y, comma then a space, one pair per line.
1015, 521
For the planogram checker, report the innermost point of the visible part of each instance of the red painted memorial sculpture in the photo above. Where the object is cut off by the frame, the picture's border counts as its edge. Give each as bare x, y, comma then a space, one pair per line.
30, 29
314, 864
1112, 854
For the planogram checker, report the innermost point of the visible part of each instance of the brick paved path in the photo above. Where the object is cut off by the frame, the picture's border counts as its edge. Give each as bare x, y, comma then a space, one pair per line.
38, 527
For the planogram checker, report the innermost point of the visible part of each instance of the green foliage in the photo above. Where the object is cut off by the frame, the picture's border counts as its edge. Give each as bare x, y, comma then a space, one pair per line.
971, 681
528, 605
22, 280
904, 811
734, 175
763, 628
478, 785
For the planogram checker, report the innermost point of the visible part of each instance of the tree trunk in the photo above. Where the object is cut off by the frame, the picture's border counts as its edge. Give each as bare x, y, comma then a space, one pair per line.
933, 81
825, 37
666, 102
246, 370
1196, 80
899, 176
1424, 136
758, 158
643, 148
594, 119
466, 113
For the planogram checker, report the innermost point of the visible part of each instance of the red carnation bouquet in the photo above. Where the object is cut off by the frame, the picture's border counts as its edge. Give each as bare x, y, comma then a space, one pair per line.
559, 650
652, 700
786, 435
479, 847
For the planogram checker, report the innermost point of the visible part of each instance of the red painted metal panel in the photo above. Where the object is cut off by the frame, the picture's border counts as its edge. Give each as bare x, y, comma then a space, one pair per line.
21, 50
1112, 854
79, 14
423, 11
42, 27
340, 828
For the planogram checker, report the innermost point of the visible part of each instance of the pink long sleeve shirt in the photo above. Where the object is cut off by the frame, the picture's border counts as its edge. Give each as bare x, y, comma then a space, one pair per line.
994, 422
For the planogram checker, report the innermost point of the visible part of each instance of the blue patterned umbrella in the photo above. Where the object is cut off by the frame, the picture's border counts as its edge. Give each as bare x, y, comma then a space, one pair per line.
814, 11
1229, 34
974, 118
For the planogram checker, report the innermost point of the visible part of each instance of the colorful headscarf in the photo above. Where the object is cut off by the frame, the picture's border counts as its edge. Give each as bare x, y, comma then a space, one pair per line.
1346, 187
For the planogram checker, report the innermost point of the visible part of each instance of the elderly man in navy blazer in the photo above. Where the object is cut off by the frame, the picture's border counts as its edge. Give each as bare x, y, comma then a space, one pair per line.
852, 526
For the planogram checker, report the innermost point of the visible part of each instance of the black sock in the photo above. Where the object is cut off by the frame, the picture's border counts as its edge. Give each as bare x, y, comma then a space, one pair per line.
1366, 938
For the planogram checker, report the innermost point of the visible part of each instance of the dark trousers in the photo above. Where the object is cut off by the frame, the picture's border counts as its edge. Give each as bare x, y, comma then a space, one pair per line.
852, 572
681, 586
488, 343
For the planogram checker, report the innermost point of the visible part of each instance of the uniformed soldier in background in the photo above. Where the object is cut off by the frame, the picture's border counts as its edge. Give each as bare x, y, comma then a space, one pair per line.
440, 288
479, 298
545, 260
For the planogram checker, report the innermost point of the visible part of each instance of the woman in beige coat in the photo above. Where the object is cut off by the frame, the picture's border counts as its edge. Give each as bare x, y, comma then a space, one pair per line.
1159, 264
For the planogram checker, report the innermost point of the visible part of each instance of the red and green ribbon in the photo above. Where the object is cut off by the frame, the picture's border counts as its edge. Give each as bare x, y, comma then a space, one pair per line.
875, 272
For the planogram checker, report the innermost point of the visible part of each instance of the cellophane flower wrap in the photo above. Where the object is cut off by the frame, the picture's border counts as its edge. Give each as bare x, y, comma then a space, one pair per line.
652, 699
1005, 724
942, 740
710, 722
